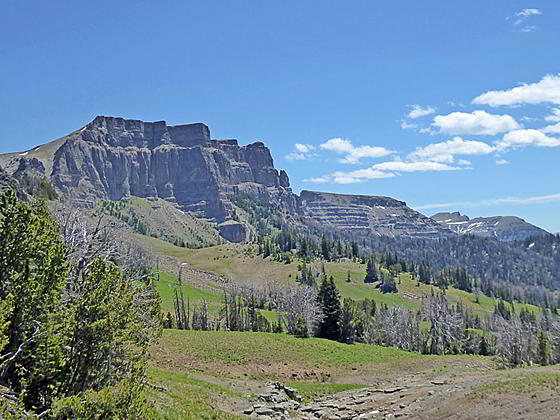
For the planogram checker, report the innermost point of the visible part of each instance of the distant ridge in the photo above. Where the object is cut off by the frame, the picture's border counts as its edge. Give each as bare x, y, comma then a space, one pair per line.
503, 228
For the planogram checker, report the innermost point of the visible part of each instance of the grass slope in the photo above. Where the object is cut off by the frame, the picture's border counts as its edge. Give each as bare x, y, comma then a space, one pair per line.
161, 219
208, 374
240, 263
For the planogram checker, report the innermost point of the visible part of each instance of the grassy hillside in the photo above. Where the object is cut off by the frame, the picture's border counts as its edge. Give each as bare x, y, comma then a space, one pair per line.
161, 219
240, 263
210, 373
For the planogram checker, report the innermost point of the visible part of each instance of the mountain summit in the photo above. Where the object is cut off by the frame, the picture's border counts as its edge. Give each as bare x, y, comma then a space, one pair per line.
503, 228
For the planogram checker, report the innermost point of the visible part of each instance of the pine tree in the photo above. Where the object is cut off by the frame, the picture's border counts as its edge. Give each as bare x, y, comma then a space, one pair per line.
354, 249
325, 249
329, 300
347, 330
371, 272
543, 348
483, 350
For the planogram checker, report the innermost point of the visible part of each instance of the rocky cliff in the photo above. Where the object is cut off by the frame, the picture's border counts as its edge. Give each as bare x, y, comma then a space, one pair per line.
111, 158
503, 228
367, 215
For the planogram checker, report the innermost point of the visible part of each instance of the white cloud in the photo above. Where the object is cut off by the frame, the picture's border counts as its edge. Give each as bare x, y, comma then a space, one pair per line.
296, 156
301, 152
345, 180
545, 91
478, 122
368, 173
528, 12
303, 148
492, 202
522, 138
428, 130
529, 119
502, 162
522, 17
555, 128
419, 111
318, 180
528, 28
353, 154
555, 117
352, 177
406, 125
445, 152
413, 166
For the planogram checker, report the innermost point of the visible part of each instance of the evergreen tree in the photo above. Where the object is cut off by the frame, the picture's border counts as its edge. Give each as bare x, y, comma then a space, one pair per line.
329, 299
483, 350
325, 249
354, 249
543, 349
389, 285
347, 330
371, 272
78, 345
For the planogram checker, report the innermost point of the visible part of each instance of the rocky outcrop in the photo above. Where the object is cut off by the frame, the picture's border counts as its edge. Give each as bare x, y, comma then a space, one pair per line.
503, 228
234, 231
111, 158
7, 181
31, 167
365, 215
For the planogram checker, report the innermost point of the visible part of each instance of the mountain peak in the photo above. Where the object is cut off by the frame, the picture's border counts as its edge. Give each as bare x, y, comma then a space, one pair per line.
505, 228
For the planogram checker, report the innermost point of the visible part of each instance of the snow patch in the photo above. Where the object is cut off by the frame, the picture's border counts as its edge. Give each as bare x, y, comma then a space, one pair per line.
24, 154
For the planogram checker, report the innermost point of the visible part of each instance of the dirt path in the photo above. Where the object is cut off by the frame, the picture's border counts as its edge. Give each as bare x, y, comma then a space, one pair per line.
448, 397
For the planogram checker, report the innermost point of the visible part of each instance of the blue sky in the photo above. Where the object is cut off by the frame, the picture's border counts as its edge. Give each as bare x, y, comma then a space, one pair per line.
421, 101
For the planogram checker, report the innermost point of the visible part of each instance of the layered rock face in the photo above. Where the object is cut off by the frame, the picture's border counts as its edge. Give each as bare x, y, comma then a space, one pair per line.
111, 158
367, 215
503, 228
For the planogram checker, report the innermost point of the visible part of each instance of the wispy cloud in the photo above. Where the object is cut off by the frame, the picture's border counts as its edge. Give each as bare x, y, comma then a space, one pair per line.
418, 111
301, 151
522, 16
317, 180
554, 117
446, 151
554, 128
545, 91
492, 202
522, 138
502, 162
352, 177
413, 166
352, 154
477, 122
528, 28
405, 125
